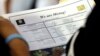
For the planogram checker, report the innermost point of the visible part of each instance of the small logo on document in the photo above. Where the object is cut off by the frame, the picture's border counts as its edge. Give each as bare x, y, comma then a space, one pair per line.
80, 7
20, 22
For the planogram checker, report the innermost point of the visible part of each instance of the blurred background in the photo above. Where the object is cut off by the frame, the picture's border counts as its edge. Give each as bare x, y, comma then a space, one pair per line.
9, 6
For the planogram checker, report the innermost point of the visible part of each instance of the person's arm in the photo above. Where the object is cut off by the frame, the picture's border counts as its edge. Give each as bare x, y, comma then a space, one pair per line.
18, 47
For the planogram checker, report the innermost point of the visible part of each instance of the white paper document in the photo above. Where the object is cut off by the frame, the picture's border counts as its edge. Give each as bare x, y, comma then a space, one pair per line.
51, 26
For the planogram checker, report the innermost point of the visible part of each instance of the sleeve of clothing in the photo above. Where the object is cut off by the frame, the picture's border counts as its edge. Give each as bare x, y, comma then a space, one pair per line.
87, 42
20, 5
44, 3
